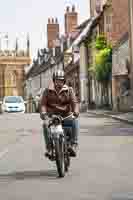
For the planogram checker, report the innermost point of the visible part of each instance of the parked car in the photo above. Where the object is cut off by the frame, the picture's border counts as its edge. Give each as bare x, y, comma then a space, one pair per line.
13, 104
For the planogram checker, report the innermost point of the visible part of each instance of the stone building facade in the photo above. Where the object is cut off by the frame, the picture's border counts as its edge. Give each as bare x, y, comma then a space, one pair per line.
12, 72
121, 75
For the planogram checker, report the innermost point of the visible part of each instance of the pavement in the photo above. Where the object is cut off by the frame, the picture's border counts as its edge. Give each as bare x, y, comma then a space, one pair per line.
124, 117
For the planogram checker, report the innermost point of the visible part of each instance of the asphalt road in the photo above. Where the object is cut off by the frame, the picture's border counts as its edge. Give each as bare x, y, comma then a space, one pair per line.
102, 169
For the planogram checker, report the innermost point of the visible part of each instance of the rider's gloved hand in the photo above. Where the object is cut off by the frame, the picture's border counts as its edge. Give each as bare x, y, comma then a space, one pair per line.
76, 114
43, 115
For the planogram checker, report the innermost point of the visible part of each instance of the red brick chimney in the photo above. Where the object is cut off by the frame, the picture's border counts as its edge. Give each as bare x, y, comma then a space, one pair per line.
52, 31
71, 20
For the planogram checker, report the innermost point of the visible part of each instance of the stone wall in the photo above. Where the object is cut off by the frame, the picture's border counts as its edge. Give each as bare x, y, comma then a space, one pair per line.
120, 75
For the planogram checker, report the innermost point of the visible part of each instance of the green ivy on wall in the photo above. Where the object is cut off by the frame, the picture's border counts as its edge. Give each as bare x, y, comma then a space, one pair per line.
102, 66
100, 42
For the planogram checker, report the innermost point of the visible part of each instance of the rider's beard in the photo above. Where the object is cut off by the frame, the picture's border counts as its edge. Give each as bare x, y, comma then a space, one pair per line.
58, 87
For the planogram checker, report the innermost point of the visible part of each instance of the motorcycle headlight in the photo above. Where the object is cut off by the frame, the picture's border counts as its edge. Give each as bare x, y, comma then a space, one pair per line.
56, 129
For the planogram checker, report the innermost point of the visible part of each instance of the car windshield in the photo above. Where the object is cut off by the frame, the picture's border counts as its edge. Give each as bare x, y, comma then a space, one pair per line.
13, 99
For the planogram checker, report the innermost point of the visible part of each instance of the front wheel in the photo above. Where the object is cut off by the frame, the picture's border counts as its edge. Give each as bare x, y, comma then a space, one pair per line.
67, 162
59, 153
67, 158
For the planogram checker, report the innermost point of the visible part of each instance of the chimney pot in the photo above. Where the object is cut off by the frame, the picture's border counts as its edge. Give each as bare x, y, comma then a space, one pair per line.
48, 20
67, 9
56, 20
73, 8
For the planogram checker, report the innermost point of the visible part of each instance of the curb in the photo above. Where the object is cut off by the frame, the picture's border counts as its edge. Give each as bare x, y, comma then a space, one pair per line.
113, 117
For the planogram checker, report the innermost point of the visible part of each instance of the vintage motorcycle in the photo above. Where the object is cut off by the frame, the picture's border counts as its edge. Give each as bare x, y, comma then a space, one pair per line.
59, 141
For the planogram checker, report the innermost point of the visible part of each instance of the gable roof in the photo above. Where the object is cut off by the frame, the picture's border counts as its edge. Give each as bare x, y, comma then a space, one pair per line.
83, 24
37, 69
84, 33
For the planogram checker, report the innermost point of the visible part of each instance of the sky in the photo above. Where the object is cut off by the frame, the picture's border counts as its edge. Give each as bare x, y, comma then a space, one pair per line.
19, 17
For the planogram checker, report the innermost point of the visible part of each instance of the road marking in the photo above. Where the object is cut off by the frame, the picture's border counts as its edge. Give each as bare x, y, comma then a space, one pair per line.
3, 153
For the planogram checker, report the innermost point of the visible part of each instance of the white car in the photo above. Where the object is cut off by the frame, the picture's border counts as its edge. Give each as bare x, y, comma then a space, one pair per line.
13, 104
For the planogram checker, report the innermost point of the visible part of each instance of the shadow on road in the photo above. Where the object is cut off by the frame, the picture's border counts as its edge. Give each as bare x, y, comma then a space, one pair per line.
22, 175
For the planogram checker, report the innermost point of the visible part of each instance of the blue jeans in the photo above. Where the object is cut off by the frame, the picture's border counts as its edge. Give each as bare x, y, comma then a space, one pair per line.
67, 123
73, 124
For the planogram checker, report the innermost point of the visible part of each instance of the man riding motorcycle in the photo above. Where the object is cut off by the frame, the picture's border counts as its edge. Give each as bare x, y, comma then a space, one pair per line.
60, 99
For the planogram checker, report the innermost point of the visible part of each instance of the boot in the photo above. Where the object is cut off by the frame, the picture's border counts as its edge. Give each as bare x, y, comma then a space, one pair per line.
48, 151
73, 150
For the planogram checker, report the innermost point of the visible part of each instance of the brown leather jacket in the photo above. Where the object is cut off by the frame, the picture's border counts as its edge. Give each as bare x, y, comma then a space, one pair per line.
63, 102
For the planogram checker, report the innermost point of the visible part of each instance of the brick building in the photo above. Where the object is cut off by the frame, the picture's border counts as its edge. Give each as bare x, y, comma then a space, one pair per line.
120, 19
116, 16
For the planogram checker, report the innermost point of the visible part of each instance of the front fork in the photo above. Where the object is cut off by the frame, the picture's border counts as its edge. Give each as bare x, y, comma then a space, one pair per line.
52, 142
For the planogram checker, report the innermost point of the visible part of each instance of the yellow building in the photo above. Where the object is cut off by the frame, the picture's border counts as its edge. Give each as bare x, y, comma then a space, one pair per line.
12, 71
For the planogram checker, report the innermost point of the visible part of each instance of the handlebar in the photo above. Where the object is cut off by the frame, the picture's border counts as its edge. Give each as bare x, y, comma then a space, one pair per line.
71, 115
62, 118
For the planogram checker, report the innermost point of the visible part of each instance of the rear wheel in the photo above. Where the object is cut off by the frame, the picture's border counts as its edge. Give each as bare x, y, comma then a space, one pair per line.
59, 153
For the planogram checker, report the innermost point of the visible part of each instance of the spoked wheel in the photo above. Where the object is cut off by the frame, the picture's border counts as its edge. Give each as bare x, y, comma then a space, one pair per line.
59, 153
67, 162
67, 154
67, 158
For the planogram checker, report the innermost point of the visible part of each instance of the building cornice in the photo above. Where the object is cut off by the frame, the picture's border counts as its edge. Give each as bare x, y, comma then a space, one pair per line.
4, 60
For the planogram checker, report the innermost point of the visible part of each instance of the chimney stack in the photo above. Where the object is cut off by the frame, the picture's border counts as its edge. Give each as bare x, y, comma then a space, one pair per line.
52, 32
71, 20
